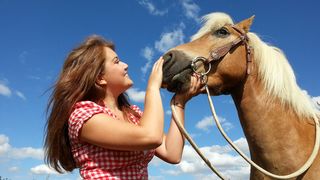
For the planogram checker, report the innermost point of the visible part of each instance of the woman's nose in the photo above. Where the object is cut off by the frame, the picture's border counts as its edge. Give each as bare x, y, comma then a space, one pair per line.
125, 66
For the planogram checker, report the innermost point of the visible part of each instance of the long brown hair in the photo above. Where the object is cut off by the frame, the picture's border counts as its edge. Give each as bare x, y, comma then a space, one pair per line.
76, 83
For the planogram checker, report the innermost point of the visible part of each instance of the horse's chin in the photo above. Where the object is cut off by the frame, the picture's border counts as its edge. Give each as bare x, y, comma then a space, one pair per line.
179, 83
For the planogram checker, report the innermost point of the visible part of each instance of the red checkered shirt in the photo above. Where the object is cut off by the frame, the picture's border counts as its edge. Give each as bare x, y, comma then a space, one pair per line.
99, 163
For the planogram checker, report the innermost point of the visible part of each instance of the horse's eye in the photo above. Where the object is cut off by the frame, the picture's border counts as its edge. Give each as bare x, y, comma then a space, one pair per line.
223, 32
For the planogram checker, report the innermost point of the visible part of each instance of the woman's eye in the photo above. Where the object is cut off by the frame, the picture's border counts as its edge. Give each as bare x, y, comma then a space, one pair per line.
223, 32
117, 61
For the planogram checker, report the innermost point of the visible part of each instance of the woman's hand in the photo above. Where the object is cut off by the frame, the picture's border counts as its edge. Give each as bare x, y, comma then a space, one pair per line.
155, 78
196, 87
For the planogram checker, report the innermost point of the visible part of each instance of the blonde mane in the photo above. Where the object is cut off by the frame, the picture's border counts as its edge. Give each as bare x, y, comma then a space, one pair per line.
212, 22
273, 68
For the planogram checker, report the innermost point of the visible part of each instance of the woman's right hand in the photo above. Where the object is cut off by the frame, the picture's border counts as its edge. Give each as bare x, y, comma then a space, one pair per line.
196, 87
155, 78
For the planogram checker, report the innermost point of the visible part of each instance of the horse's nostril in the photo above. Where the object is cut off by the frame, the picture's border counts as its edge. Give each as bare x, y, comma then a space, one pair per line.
168, 56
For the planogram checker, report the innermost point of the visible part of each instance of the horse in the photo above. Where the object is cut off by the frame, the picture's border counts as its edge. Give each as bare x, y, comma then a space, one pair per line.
277, 117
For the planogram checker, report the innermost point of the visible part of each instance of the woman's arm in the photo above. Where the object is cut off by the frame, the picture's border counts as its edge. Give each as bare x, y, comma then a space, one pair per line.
103, 131
172, 145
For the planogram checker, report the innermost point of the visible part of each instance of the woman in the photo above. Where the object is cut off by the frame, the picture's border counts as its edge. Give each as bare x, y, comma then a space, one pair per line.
92, 126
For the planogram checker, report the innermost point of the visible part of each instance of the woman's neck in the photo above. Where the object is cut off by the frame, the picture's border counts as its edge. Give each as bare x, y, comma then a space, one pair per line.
111, 100
112, 103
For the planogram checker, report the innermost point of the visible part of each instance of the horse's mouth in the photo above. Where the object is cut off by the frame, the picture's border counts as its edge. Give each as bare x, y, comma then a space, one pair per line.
176, 71
179, 82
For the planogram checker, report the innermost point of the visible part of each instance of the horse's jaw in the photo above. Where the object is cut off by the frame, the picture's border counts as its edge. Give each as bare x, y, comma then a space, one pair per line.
178, 83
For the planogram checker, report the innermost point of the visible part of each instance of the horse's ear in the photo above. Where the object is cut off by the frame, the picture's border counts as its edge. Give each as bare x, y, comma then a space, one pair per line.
245, 24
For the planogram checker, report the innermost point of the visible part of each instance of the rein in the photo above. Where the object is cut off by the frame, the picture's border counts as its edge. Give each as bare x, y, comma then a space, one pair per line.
192, 143
216, 55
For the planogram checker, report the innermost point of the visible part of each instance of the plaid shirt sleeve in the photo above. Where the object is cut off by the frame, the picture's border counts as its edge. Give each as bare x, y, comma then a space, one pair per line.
136, 109
100, 163
82, 112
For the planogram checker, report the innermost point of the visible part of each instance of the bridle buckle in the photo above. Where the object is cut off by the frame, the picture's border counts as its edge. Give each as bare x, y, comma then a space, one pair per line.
195, 67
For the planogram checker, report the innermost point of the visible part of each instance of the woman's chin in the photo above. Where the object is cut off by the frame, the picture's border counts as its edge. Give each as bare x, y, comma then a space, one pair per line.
129, 84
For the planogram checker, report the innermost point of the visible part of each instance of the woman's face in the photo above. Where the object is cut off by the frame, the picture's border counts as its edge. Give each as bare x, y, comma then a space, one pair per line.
116, 72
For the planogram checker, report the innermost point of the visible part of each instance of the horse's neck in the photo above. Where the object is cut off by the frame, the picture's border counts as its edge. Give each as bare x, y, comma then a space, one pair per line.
272, 131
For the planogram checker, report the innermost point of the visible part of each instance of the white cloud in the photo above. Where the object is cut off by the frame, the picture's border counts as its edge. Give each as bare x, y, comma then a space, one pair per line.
242, 144
225, 124
221, 157
170, 39
5, 90
23, 57
316, 101
42, 170
148, 54
205, 123
195, 135
33, 77
4, 145
8, 151
187, 166
21, 95
13, 169
136, 95
167, 41
208, 122
191, 9
156, 161
171, 172
157, 178
26, 152
152, 9
240, 174
168, 112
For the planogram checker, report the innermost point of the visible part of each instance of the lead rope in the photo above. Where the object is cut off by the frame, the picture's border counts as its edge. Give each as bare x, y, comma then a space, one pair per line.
292, 175
193, 144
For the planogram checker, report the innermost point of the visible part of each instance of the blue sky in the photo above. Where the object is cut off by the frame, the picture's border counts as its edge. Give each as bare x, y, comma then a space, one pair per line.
35, 37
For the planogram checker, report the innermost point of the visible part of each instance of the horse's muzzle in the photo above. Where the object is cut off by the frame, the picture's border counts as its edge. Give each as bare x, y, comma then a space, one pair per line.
176, 71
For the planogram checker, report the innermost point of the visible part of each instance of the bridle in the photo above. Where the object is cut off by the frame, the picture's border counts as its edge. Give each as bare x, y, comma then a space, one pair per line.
216, 55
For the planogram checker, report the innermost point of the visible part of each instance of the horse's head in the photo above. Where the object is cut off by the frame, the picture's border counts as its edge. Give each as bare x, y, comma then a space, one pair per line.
218, 41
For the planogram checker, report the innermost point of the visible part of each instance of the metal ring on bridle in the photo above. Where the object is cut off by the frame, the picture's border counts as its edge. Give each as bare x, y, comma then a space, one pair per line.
204, 61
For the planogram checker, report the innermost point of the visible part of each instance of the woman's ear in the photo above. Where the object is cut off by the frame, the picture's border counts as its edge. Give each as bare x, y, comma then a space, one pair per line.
101, 80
